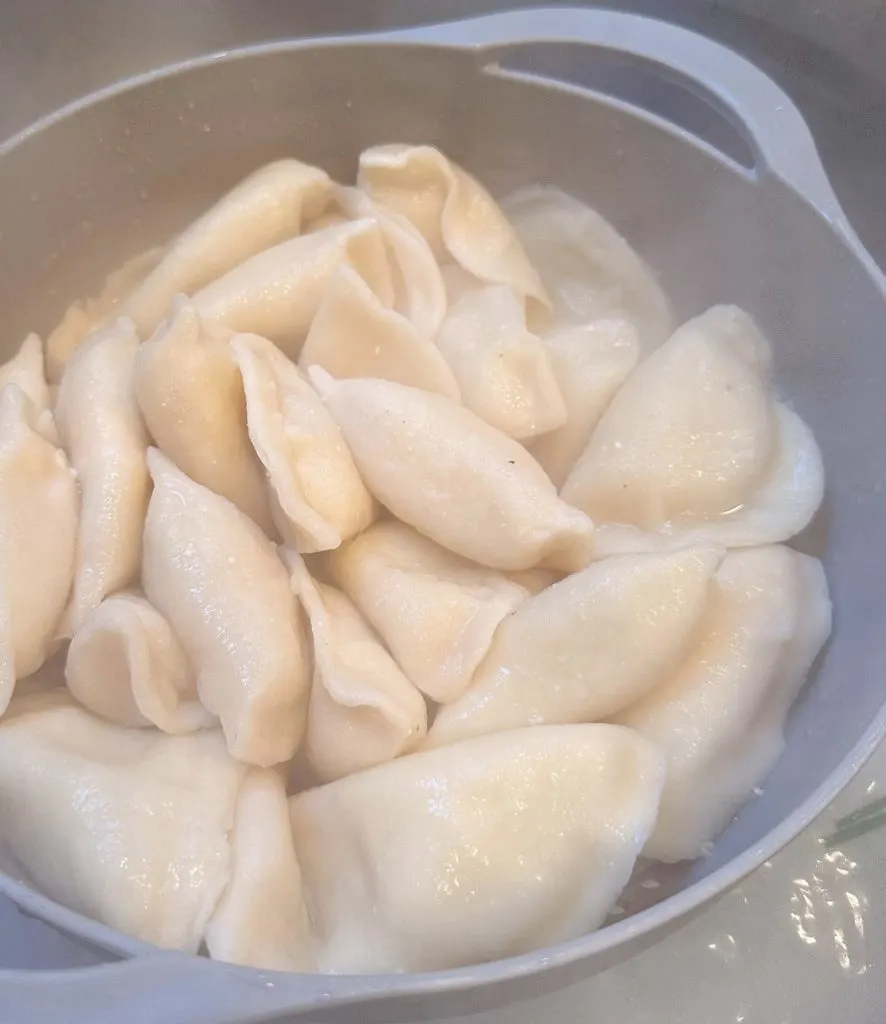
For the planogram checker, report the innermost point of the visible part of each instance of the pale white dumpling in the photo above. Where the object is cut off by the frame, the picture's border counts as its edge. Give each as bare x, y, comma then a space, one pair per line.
127, 826
191, 395
317, 496
38, 539
590, 363
103, 432
261, 920
695, 445
464, 484
719, 717
363, 710
436, 611
588, 646
589, 270
502, 369
452, 210
262, 210
85, 316
277, 292
126, 664
485, 849
211, 571
26, 370
355, 335
419, 293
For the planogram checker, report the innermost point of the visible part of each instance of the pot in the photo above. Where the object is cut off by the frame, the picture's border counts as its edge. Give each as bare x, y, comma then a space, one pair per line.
707, 168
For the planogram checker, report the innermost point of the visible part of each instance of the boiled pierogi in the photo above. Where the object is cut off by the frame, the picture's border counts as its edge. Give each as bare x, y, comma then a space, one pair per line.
317, 496
261, 919
587, 646
436, 611
262, 210
355, 335
126, 664
38, 539
190, 392
502, 369
452, 211
589, 270
485, 849
443, 470
363, 710
26, 370
695, 445
277, 292
719, 718
103, 432
590, 363
133, 825
211, 571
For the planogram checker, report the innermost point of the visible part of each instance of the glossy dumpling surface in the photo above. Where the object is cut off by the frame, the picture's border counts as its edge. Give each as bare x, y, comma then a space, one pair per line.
190, 392
261, 919
363, 710
318, 497
38, 539
102, 430
464, 484
436, 611
133, 824
126, 664
452, 210
485, 849
355, 335
719, 718
262, 210
695, 444
277, 292
212, 572
502, 369
587, 646
590, 271
590, 363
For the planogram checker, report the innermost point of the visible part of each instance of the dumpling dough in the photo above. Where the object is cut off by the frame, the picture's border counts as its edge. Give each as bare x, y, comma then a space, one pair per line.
212, 572
126, 664
419, 294
440, 468
590, 363
589, 270
25, 369
85, 316
103, 432
38, 539
486, 849
363, 710
695, 445
355, 335
588, 646
502, 369
191, 395
317, 496
436, 611
264, 209
453, 212
719, 718
127, 826
261, 920
277, 292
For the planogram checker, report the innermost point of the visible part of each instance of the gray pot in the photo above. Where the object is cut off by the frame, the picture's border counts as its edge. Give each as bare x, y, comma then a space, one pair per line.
721, 189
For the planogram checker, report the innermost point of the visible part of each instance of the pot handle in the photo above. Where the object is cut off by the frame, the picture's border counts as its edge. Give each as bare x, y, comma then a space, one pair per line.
174, 988
774, 126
